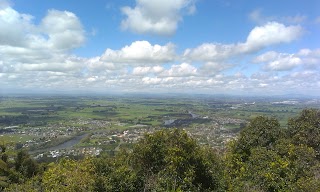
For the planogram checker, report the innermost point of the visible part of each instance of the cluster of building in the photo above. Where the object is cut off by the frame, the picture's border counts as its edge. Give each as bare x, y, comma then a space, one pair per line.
85, 151
99, 136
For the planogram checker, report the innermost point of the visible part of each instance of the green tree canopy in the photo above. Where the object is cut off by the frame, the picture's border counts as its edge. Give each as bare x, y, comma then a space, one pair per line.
305, 129
171, 160
268, 158
260, 132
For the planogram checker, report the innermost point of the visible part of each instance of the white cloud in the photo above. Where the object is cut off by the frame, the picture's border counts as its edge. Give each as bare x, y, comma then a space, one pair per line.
95, 64
25, 46
151, 80
270, 34
275, 61
68, 63
14, 27
259, 38
310, 58
146, 70
64, 29
159, 17
283, 63
181, 70
266, 57
303, 74
211, 52
212, 68
262, 85
309, 53
92, 79
141, 52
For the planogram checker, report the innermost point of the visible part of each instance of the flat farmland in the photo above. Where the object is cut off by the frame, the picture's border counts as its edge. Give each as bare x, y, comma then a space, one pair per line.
110, 122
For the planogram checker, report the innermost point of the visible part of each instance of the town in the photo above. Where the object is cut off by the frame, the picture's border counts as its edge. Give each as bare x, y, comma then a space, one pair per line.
50, 128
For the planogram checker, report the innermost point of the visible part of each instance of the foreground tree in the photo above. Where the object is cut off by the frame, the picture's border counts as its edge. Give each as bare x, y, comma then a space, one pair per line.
69, 175
26, 165
267, 158
3, 167
169, 160
3, 173
260, 132
116, 174
305, 129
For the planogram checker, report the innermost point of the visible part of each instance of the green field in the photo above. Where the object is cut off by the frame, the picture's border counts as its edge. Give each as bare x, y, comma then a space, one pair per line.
57, 115
29, 111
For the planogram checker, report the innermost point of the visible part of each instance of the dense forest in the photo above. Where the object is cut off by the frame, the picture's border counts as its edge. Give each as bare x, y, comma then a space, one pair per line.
264, 157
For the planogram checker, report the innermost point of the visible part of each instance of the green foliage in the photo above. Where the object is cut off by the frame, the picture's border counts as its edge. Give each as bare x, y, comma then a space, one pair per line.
32, 185
69, 175
169, 160
3, 172
25, 165
115, 174
261, 132
4, 169
266, 158
305, 129
309, 183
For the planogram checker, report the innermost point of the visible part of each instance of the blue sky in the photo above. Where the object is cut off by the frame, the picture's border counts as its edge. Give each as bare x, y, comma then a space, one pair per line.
160, 46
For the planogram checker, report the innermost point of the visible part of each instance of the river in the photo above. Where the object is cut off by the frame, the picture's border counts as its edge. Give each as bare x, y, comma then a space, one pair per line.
172, 121
65, 145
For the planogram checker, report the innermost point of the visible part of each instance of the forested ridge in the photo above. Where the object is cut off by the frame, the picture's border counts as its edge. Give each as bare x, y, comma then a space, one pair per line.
264, 157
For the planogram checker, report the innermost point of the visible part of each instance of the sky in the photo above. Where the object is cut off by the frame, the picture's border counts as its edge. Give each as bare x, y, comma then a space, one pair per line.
238, 47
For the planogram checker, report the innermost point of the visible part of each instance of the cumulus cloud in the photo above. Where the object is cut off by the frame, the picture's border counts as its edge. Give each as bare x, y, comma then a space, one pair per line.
184, 69
67, 63
310, 58
26, 46
211, 52
275, 61
141, 52
147, 70
212, 68
309, 53
176, 83
14, 27
64, 29
270, 34
151, 80
95, 64
92, 79
283, 63
266, 57
259, 38
160, 17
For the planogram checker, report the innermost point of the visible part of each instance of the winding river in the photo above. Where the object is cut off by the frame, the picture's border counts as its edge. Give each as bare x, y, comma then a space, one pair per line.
65, 145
